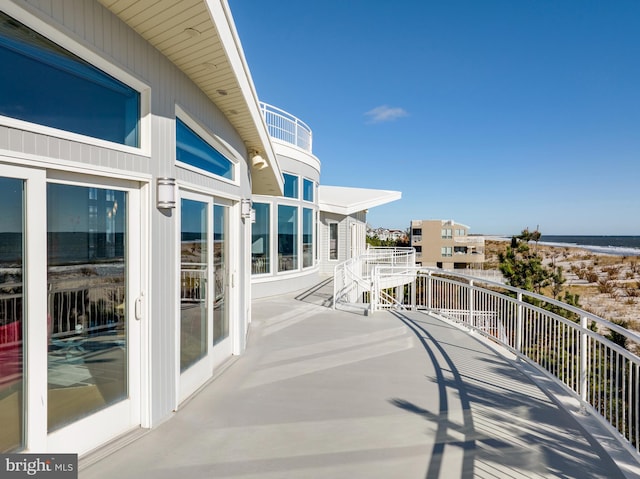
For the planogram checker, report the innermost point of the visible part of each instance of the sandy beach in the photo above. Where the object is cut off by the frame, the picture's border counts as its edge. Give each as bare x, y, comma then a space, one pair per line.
608, 285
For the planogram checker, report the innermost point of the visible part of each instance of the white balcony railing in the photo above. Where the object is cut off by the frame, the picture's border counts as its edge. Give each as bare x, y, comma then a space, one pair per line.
193, 282
475, 240
589, 356
286, 127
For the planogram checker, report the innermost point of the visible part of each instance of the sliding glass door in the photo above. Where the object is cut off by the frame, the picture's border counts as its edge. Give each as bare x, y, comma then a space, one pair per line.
12, 235
221, 267
203, 288
87, 297
69, 332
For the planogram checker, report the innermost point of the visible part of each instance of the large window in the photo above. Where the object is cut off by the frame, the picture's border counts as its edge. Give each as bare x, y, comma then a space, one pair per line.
446, 233
333, 241
260, 240
307, 190
307, 237
446, 251
287, 238
195, 151
290, 185
45, 84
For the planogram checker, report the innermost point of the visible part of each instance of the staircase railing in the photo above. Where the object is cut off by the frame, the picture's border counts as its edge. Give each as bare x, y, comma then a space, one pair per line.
353, 278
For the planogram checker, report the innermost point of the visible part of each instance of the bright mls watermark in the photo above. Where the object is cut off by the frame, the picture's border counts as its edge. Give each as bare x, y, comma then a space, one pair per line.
50, 466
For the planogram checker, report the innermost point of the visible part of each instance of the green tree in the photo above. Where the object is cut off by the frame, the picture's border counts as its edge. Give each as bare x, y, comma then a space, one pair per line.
522, 267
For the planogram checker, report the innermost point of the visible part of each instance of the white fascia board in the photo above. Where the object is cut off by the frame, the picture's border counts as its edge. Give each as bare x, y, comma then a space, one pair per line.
346, 201
230, 41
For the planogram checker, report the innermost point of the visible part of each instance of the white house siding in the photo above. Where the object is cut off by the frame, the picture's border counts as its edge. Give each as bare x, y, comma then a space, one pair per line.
94, 29
326, 265
347, 225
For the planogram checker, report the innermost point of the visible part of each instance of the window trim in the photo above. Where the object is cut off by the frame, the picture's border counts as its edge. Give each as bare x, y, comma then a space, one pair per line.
90, 56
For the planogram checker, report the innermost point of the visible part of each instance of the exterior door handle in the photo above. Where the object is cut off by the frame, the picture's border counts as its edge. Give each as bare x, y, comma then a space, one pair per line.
139, 307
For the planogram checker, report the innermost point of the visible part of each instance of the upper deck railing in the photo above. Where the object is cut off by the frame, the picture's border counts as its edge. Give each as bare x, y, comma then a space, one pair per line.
286, 127
589, 356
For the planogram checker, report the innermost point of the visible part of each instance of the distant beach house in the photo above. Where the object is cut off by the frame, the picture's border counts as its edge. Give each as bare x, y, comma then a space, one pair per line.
385, 234
446, 244
148, 197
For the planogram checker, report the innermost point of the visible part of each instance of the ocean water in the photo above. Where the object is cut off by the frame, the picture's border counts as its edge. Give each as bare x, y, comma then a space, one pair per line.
615, 245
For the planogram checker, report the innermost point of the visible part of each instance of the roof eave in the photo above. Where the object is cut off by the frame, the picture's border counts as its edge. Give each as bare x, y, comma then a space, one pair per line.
214, 60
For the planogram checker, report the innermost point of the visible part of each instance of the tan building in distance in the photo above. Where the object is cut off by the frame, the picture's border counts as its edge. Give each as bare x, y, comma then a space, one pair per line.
446, 244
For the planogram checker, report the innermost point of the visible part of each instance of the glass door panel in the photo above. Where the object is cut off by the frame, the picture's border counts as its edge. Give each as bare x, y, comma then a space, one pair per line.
193, 282
12, 407
221, 272
87, 329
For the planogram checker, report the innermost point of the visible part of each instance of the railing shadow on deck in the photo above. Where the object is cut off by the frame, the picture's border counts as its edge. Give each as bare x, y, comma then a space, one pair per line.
588, 356
488, 389
321, 294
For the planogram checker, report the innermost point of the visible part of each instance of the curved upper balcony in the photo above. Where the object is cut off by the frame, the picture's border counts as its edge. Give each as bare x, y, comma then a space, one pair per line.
286, 127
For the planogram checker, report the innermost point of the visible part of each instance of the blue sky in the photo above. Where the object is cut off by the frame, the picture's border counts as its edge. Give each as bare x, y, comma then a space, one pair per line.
499, 114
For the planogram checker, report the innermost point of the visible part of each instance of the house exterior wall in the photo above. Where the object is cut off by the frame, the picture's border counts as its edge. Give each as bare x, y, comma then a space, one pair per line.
351, 238
95, 34
303, 165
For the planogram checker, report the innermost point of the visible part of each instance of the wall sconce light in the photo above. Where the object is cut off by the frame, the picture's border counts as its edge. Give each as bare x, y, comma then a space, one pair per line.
257, 161
245, 208
166, 193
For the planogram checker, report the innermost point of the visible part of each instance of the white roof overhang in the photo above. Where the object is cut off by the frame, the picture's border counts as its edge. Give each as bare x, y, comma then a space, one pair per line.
200, 38
346, 201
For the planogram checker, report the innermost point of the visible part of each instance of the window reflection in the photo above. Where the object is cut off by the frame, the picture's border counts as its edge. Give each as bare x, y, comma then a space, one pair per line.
307, 237
195, 151
86, 303
333, 241
11, 315
220, 269
287, 238
290, 185
307, 190
260, 241
193, 283
75, 97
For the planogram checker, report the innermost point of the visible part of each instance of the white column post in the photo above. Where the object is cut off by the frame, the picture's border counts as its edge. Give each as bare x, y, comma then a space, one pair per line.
584, 358
519, 324
471, 305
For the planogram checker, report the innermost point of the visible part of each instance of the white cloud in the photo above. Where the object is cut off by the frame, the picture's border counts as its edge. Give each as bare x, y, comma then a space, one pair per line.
385, 113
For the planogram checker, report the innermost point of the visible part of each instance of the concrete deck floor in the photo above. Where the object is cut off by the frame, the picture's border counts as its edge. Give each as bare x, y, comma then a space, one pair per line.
334, 394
